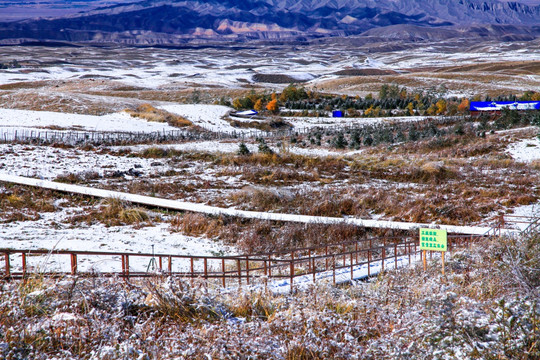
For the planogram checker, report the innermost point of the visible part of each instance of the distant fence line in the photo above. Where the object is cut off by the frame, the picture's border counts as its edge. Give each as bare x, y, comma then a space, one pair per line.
45, 137
72, 137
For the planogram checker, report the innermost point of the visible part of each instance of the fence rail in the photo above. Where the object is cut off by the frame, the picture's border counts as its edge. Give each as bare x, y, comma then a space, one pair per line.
311, 262
523, 223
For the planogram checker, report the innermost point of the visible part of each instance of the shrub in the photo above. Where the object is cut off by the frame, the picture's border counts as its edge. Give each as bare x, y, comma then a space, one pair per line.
243, 150
264, 148
150, 113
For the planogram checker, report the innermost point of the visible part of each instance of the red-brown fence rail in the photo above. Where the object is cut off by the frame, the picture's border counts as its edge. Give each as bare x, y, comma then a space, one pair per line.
310, 262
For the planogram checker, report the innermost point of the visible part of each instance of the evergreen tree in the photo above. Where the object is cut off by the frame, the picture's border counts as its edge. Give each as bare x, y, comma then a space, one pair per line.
264, 148
339, 141
243, 150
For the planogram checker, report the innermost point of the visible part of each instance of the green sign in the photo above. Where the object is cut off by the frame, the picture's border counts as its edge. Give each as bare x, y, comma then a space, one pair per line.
433, 239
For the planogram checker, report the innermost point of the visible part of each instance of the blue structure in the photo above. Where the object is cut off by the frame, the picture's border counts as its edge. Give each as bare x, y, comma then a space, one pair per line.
500, 105
248, 113
337, 113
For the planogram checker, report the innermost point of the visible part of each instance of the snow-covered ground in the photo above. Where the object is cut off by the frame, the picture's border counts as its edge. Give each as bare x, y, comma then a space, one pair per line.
47, 162
311, 122
214, 210
111, 122
209, 117
343, 276
525, 150
234, 68
51, 233
228, 147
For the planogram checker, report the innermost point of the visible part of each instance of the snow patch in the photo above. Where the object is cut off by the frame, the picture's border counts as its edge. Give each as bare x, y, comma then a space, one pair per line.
120, 121
526, 150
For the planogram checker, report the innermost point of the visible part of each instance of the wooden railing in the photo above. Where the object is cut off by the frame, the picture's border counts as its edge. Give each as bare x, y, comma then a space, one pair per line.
221, 270
526, 224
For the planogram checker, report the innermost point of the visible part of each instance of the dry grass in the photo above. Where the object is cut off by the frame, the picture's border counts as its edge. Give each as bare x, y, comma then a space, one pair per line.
150, 113
476, 78
18, 203
50, 100
79, 178
196, 225
256, 236
485, 307
114, 212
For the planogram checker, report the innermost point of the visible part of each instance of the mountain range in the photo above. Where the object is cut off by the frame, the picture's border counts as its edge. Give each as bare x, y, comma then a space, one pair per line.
188, 21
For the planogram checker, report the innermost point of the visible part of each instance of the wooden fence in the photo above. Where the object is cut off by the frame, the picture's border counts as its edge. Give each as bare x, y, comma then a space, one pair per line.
311, 262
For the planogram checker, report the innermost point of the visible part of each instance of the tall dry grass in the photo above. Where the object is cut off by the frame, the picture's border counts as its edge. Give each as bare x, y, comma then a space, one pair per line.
150, 113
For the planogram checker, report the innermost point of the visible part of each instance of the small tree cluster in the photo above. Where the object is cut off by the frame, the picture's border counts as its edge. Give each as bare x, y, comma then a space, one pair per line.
372, 135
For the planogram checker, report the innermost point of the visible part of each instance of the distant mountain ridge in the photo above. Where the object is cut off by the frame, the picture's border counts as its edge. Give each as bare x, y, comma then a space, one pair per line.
163, 22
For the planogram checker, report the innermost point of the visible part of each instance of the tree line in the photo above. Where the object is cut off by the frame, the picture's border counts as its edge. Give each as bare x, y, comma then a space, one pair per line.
392, 100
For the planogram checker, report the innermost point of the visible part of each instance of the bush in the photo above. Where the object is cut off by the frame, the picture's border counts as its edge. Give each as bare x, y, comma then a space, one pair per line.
264, 148
150, 113
243, 150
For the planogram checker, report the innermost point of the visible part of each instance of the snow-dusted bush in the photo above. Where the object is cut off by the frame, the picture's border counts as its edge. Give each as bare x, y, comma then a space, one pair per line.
485, 307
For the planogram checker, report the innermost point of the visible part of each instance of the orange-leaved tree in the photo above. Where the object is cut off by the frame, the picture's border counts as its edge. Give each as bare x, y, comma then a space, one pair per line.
273, 106
464, 105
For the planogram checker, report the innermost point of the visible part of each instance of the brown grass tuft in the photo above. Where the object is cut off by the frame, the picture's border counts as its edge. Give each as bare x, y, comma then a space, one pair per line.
150, 113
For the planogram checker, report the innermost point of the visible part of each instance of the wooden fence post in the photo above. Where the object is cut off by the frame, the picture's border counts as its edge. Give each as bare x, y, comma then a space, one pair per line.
223, 271
352, 268
247, 270
73, 264
23, 257
8, 265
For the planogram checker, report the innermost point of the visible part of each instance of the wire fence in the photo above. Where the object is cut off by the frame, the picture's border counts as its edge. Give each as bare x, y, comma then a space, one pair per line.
47, 137
73, 137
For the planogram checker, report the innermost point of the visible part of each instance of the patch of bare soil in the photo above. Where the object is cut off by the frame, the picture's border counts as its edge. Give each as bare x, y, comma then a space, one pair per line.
365, 72
276, 79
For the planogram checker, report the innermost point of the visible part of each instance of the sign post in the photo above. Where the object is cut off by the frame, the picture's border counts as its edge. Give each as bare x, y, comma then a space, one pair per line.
433, 240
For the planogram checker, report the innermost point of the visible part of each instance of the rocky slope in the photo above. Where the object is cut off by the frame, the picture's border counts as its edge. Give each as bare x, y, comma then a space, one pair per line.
155, 22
